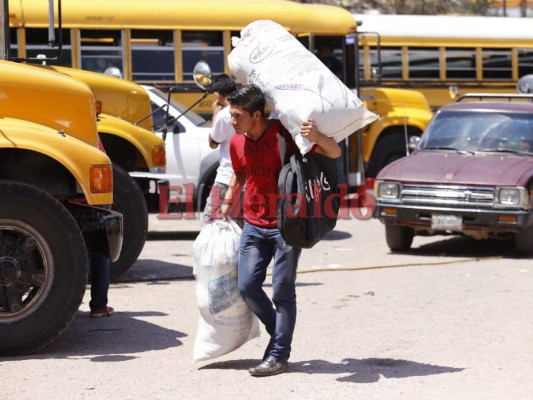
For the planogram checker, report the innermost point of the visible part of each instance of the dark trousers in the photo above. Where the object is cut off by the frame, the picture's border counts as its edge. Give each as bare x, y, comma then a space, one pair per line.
100, 276
257, 248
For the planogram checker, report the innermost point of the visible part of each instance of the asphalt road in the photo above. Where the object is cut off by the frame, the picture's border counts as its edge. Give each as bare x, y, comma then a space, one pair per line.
450, 320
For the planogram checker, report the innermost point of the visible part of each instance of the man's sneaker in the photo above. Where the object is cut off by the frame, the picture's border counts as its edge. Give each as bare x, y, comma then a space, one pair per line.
102, 312
269, 367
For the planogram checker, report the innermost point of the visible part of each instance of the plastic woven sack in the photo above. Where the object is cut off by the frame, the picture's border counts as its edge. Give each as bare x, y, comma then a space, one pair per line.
225, 322
297, 85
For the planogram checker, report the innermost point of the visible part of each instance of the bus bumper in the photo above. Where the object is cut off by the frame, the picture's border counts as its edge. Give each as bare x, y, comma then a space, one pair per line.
102, 229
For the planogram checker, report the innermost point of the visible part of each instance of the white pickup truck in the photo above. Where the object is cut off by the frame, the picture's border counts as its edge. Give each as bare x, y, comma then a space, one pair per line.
190, 160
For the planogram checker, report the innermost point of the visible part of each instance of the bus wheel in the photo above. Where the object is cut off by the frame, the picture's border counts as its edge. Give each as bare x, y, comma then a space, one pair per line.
388, 149
399, 238
43, 268
128, 199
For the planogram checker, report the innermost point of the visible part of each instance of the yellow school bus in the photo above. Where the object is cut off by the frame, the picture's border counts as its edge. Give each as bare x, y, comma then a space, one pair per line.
160, 41
445, 56
55, 188
125, 129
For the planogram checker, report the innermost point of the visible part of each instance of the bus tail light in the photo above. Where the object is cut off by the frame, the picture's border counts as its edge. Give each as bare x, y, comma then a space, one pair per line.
159, 158
101, 178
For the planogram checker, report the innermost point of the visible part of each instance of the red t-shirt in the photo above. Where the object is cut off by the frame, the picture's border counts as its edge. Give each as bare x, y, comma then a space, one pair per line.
261, 162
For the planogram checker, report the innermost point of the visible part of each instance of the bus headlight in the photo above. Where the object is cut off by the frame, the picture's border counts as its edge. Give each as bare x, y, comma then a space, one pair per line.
387, 190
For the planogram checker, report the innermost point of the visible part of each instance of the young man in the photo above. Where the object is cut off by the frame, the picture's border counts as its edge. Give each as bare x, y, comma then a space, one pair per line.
220, 136
256, 162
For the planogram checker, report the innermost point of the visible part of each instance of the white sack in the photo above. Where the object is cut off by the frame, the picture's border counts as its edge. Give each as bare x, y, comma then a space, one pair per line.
297, 85
225, 322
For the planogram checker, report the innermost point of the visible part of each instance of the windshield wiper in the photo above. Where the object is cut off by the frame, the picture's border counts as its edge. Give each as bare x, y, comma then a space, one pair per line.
460, 151
521, 152
440, 148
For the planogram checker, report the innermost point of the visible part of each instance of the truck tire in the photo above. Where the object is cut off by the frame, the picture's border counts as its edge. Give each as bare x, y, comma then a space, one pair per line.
128, 199
524, 241
205, 190
399, 238
43, 268
388, 149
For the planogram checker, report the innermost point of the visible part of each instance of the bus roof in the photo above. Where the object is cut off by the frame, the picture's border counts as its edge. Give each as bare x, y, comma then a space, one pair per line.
185, 15
413, 29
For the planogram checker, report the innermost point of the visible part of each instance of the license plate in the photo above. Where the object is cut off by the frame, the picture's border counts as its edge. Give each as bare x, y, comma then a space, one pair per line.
446, 222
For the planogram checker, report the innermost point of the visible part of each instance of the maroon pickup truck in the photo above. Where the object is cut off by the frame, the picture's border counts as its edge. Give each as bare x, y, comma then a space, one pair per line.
470, 174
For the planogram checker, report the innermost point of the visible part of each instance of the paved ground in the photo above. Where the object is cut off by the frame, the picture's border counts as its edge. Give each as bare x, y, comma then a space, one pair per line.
450, 320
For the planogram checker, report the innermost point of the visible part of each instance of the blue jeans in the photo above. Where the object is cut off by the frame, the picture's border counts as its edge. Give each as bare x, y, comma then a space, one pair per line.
257, 248
100, 277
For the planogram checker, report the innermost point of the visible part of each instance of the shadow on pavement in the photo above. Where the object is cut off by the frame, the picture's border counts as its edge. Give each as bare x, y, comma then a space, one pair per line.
371, 370
148, 270
368, 370
337, 235
466, 247
112, 339
243, 364
172, 235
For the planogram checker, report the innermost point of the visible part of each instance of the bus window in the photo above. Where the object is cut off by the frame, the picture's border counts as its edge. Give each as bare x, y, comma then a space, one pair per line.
461, 64
391, 62
14, 47
423, 63
36, 39
233, 34
330, 50
152, 55
201, 45
101, 49
497, 64
525, 62
304, 40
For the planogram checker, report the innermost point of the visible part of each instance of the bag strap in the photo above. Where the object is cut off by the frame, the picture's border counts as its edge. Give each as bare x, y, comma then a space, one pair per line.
283, 137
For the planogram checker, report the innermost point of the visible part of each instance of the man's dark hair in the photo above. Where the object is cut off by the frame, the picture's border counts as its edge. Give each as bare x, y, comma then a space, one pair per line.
250, 98
224, 85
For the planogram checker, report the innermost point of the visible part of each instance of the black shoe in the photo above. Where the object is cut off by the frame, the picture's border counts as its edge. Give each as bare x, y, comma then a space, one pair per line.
269, 367
268, 349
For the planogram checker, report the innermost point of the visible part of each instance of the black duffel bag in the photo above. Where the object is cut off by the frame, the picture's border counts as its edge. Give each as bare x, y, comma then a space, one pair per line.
308, 202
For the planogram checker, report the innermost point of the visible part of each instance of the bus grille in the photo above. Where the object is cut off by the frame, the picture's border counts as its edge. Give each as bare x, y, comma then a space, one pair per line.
443, 195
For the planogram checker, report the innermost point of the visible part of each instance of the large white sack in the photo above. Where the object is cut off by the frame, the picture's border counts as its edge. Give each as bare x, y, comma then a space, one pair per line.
297, 85
225, 322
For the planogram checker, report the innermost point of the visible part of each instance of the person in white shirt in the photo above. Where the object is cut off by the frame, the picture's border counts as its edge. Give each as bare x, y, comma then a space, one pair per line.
219, 137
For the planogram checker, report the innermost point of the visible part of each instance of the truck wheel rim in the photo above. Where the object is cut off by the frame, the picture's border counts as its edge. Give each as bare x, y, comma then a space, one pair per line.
26, 272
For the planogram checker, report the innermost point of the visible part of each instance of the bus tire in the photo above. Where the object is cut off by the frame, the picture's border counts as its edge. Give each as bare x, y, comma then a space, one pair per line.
388, 149
128, 199
43, 268
399, 238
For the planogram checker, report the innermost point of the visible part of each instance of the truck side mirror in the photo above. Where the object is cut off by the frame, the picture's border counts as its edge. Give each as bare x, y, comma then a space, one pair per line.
202, 75
414, 141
